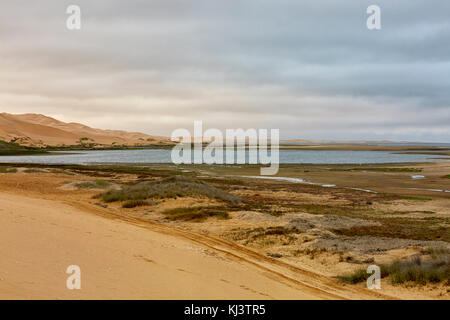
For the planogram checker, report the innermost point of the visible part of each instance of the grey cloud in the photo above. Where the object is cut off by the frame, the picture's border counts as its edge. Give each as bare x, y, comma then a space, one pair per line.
311, 68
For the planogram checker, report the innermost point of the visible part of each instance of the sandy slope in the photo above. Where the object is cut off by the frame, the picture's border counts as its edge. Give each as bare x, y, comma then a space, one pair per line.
127, 259
39, 130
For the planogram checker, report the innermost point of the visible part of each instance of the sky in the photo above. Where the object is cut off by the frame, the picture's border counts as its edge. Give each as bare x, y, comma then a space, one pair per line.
309, 68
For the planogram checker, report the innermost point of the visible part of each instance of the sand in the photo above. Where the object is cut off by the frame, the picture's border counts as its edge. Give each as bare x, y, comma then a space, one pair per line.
39, 131
134, 254
122, 259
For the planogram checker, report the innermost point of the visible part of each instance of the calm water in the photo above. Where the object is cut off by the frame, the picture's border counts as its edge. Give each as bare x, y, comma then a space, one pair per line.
163, 156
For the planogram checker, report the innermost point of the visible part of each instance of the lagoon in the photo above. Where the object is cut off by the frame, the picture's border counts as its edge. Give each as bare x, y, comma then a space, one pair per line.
148, 156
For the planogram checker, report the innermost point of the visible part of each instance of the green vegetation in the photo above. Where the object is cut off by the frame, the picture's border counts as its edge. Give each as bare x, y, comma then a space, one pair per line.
60, 171
435, 252
381, 169
34, 171
434, 269
418, 199
172, 187
225, 181
114, 146
358, 276
447, 176
392, 169
14, 149
263, 235
391, 224
135, 203
269, 231
429, 228
325, 209
278, 230
97, 184
7, 170
196, 214
112, 170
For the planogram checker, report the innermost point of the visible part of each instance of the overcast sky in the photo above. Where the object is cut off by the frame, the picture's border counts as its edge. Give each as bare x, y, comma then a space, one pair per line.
308, 67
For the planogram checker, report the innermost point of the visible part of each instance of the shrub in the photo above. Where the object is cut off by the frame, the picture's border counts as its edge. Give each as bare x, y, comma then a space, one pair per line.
418, 199
358, 276
172, 187
97, 184
34, 171
415, 269
7, 170
135, 203
196, 214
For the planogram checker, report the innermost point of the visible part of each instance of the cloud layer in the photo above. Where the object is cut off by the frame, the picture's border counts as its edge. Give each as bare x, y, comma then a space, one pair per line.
310, 68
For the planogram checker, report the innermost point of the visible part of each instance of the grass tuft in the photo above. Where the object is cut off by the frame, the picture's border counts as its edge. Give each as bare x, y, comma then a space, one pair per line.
7, 170
172, 187
97, 184
196, 214
135, 203
358, 276
418, 199
34, 171
426, 228
416, 270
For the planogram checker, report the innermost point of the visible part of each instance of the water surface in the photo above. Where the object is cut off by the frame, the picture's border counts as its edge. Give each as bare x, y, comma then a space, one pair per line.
143, 156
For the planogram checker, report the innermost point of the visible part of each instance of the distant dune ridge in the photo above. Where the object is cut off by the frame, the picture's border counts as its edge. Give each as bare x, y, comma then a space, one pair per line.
37, 130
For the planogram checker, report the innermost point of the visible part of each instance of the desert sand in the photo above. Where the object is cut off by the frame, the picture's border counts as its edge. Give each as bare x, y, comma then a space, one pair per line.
125, 258
37, 130
48, 223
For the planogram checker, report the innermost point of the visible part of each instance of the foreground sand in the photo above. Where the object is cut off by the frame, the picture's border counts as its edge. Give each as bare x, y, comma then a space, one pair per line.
124, 260
48, 224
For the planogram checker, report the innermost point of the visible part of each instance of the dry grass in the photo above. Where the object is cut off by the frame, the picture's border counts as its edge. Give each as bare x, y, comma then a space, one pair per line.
196, 214
97, 184
34, 171
417, 199
135, 203
266, 236
172, 187
430, 228
7, 170
434, 268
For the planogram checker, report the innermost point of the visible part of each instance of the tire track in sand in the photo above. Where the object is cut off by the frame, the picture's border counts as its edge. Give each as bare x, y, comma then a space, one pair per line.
317, 285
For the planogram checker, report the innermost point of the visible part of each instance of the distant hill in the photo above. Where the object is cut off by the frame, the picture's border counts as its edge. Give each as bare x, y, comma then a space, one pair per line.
36, 130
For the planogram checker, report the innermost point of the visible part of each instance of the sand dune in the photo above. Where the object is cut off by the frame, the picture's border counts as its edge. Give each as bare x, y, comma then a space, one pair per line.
136, 255
40, 131
119, 260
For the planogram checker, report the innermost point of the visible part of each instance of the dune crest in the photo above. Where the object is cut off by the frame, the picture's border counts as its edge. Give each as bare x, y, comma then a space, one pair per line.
37, 130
